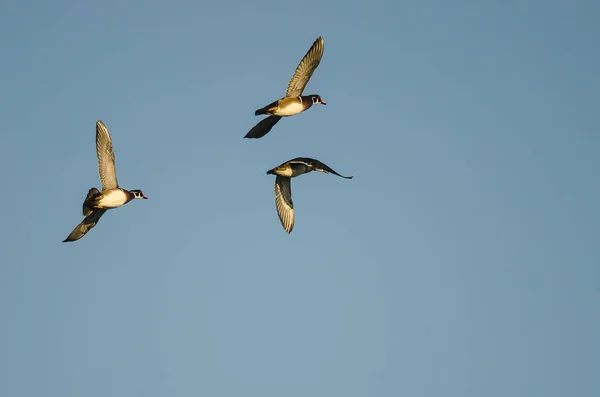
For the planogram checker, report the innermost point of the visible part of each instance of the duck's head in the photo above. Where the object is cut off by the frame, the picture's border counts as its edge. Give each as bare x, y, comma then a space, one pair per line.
317, 100
283, 170
138, 194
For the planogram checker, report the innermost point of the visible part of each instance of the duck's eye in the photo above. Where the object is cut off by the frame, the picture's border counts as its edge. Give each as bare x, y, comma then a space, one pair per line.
315, 99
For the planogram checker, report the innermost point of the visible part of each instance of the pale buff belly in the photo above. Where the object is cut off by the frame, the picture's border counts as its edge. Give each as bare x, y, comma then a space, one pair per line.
289, 107
111, 199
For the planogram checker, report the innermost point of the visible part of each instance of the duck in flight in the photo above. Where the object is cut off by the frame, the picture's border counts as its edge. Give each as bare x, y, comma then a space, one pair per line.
97, 203
283, 188
293, 102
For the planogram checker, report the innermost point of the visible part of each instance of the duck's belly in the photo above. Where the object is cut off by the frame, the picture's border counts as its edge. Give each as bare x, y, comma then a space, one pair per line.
289, 108
112, 199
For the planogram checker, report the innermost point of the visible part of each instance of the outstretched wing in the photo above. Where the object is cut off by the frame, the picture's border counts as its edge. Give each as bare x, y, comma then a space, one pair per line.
85, 226
283, 202
306, 69
106, 158
263, 127
316, 165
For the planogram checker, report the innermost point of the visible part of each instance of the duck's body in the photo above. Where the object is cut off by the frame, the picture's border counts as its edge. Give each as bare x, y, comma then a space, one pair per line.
303, 165
293, 102
109, 199
283, 187
112, 196
290, 106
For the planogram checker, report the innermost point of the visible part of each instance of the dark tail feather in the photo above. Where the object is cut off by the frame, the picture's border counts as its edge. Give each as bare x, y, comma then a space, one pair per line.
265, 110
261, 111
87, 207
263, 127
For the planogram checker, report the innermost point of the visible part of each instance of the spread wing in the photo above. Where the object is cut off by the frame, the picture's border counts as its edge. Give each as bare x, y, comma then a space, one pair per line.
106, 158
316, 165
85, 226
263, 127
283, 202
306, 68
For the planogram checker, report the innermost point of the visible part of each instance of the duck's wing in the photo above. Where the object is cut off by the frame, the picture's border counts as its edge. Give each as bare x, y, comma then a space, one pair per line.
284, 203
85, 226
306, 68
316, 165
263, 127
106, 158
87, 208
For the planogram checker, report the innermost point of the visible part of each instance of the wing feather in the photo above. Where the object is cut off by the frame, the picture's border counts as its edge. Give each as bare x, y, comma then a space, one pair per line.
263, 127
85, 226
284, 203
317, 166
106, 158
306, 68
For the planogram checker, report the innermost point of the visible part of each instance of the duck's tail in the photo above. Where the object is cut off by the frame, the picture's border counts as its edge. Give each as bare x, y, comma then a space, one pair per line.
258, 112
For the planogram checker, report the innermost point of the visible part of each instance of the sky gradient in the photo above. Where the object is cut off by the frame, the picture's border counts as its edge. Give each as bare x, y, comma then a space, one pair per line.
462, 259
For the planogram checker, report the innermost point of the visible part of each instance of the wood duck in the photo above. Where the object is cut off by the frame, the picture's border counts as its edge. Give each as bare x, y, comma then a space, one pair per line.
97, 203
283, 188
293, 102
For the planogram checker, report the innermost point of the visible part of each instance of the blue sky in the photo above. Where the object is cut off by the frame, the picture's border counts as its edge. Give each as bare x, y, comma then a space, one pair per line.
461, 260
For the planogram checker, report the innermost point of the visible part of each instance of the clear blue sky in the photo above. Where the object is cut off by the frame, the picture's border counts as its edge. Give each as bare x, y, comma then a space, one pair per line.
462, 260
